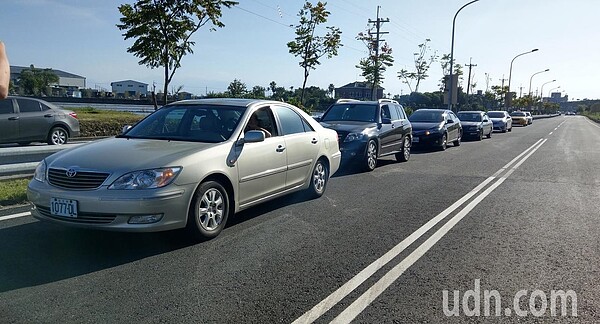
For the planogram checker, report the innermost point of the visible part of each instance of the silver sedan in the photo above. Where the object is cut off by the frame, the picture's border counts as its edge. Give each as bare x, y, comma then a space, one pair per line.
190, 164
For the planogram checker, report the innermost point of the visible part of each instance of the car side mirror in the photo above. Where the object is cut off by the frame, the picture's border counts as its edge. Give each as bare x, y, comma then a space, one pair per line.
253, 136
386, 120
450, 121
125, 129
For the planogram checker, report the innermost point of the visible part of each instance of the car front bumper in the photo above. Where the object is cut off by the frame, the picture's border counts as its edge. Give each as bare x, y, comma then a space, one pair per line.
115, 210
422, 140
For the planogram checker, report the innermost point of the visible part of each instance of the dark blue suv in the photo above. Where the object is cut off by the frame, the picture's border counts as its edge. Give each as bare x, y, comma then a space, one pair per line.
368, 130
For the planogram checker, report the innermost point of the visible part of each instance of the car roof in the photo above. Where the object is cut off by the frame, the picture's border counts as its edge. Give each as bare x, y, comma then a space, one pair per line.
472, 112
432, 109
226, 102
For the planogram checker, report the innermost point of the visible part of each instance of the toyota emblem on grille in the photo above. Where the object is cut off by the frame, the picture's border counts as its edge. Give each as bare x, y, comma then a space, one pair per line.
71, 173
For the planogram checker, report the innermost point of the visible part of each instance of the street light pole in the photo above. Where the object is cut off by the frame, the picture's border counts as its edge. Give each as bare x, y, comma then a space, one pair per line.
542, 90
531, 79
550, 91
510, 74
452, 55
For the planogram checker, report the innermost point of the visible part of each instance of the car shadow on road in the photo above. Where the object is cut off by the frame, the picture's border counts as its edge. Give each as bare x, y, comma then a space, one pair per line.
38, 253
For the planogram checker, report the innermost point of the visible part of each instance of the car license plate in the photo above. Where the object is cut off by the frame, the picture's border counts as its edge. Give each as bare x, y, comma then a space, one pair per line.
63, 207
415, 140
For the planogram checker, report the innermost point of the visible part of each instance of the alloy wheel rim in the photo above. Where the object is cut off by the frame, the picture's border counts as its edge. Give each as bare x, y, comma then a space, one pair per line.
58, 137
372, 155
319, 178
406, 149
210, 211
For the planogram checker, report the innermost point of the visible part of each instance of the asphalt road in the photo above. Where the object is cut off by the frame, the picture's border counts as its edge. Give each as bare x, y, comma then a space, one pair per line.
517, 212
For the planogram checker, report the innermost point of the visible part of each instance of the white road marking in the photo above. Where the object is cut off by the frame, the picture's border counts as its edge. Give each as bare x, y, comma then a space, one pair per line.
550, 133
593, 123
335, 297
2, 218
389, 278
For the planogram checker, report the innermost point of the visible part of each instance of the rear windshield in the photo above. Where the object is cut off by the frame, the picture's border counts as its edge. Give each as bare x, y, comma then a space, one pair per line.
518, 114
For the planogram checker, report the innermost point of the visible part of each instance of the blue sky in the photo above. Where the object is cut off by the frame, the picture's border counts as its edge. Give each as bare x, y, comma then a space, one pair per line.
80, 37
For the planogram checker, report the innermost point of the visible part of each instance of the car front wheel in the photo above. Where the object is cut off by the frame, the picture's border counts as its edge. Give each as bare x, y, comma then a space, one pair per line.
58, 136
370, 159
209, 211
457, 141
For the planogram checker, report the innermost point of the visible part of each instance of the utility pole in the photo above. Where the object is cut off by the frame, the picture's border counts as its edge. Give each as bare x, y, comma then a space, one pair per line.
378, 33
487, 82
470, 65
521, 91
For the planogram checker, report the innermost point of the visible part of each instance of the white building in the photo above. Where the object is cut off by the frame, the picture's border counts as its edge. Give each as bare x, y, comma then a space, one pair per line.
129, 88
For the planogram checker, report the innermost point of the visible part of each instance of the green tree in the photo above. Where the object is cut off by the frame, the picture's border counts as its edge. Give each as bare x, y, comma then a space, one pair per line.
422, 65
445, 63
374, 65
272, 87
258, 92
237, 89
162, 30
35, 81
309, 47
330, 90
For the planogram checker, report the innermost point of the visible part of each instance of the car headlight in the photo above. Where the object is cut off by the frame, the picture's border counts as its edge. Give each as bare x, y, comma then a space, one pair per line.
40, 172
354, 137
146, 179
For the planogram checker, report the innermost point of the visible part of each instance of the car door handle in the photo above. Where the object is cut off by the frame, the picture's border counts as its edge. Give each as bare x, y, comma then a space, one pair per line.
13, 118
48, 115
314, 141
280, 148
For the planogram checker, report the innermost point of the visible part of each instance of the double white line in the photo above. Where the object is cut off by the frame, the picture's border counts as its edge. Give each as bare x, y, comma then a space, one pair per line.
380, 286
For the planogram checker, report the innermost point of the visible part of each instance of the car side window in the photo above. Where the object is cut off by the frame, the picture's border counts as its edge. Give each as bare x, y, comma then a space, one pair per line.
401, 112
6, 106
385, 112
28, 106
394, 112
262, 119
291, 122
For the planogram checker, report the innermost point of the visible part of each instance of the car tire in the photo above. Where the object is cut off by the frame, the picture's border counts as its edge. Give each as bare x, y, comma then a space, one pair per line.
489, 135
370, 158
457, 141
209, 211
510, 129
58, 136
318, 180
480, 136
404, 154
504, 129
444, 144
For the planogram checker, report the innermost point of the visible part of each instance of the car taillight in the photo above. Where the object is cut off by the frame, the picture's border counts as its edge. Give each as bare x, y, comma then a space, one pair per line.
74, 115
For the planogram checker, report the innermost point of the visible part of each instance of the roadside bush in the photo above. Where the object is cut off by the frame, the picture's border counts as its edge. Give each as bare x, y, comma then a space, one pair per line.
102, 123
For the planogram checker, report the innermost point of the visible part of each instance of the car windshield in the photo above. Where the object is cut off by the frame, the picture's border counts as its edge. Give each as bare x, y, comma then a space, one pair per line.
518, 114
427, 116
195, 123
476, 117
496, 115
351, 112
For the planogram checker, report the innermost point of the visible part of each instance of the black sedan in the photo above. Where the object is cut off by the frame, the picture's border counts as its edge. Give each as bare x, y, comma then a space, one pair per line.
476, 124
435, 128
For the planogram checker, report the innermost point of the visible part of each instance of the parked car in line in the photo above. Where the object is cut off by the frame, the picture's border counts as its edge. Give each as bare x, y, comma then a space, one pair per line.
192, 164
519, 118
368, 130
529, 117
435, 128
24, 120
501, 120
475, 124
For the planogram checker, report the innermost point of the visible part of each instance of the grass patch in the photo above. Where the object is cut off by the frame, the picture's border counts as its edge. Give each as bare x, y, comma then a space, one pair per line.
13, 191
99, 122
593, 116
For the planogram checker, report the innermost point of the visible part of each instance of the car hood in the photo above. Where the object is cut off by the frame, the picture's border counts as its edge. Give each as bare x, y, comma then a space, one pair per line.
126, 154
470, 123
348, 126
423, 126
